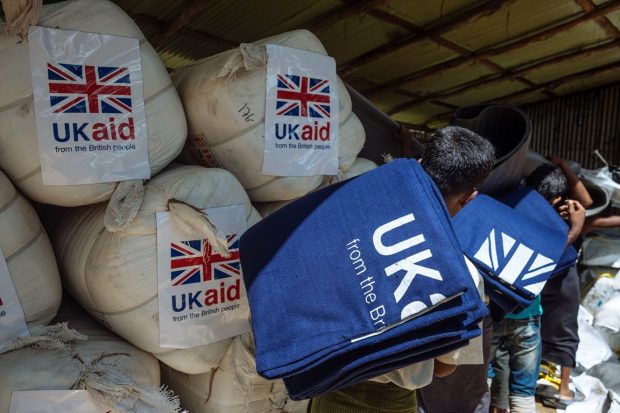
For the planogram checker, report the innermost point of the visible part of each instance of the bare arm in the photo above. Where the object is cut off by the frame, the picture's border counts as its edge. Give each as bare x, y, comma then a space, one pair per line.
594, 223
576, 215
442, 369
577, 189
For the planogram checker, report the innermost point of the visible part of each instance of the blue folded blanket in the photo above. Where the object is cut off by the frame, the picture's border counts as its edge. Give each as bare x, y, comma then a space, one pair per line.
395, 347
363, 362
530, 203
515, 254
352, 264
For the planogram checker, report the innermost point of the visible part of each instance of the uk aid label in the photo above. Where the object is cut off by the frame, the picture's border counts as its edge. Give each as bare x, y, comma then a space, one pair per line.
301, 113
89, 107
201, 295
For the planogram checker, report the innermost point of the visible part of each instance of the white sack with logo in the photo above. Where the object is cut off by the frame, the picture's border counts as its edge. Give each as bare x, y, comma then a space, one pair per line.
80, 354
113, 275
224, 100
29, 259
234, 387
166, 125
360, 166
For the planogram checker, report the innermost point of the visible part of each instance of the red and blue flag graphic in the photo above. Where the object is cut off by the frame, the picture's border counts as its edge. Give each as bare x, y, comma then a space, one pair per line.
194, 261
302, 96
88, 89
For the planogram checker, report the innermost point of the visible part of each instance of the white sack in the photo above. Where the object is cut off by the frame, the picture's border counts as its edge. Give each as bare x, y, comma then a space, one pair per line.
116, 374
19, 157
360, 166
234, 387
215, 90
113, 275
29, 257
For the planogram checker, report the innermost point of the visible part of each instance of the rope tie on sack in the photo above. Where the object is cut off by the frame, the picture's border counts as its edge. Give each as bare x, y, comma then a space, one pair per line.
53, 338
192, 220
247, 57
124, 205
20, 15
387, 157
333, 179
111, 387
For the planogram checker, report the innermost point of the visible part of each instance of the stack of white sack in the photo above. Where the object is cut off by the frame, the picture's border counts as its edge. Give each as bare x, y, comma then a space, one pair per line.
19, 158
234, 387
214, 93
79, 354
29, 258
360, 166
113, 274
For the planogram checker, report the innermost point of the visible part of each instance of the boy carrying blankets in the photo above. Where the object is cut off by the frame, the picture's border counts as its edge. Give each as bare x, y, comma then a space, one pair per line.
366, 276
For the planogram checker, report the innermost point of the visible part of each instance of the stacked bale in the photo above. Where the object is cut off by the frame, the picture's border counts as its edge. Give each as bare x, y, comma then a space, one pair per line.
360, 166
29, 257
116, 374
19, 158
214, 90
113, 275
234, 387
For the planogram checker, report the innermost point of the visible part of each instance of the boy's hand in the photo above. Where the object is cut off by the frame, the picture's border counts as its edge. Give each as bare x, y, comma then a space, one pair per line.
575, 213
557, 161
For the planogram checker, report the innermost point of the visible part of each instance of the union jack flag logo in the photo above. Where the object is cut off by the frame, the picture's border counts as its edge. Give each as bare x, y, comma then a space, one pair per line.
88, 89
194, 261
302, 96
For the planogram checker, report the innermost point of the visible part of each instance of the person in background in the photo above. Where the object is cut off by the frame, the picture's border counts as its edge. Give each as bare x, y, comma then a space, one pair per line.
524, 337
457, 160
560, 301
560, 297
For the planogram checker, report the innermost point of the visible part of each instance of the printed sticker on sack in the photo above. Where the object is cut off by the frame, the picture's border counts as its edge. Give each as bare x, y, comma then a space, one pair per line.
12, 319
202, 298
54, 401
301, 113
89, 107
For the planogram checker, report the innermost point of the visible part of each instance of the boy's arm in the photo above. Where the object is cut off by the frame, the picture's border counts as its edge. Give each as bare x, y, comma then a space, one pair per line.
442, 369
576, 215
600, 222
577, 189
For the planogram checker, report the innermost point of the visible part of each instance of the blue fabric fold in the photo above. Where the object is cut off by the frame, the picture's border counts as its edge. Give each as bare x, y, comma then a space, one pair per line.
530, 203
515, 254
353, 268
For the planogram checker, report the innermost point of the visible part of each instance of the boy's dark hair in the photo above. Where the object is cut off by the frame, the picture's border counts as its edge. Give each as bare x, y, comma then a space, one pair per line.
457, 159
549, 181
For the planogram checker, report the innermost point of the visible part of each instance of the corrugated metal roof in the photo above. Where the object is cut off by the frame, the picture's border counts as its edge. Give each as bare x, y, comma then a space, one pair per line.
416, 60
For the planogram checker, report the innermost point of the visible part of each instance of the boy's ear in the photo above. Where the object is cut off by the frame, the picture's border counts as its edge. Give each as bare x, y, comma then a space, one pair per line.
467, 198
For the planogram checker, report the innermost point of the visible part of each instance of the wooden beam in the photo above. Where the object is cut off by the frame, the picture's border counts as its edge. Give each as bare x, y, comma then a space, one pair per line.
609, 29
432, 71
587, 74
180, 21
144, 20
441, 26
510, 74
331, 17
390, 18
